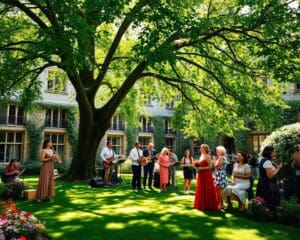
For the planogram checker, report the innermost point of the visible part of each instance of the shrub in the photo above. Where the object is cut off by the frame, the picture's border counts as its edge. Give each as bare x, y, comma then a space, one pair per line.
257, 210
12, 190
289, 212
285, 140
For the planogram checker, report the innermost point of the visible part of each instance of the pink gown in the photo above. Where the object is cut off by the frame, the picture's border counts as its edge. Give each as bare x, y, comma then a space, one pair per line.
206, 197
164, 163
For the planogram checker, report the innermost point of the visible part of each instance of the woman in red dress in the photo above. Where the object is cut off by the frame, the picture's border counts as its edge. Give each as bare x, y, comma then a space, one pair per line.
206, 197
164, 164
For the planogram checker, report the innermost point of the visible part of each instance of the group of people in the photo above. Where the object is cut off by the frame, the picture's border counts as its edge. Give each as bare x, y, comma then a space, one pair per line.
146, 160
212, 188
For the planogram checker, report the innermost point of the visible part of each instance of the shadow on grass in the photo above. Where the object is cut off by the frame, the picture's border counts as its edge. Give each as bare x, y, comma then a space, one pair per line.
81, 212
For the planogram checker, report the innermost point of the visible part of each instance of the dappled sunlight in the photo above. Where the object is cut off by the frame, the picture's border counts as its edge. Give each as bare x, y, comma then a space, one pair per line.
81, 212
115, 226
225, 233
80, 215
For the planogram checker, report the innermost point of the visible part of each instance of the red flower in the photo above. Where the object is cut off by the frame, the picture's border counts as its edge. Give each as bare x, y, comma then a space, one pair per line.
22, 237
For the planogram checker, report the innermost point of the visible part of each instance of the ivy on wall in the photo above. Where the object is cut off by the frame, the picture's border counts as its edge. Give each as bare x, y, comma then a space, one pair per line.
72, 128
159, 132
35, 139
131, 135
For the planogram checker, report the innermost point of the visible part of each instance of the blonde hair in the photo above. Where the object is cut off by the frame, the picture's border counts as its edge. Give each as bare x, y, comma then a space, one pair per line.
206, 147
164, 150
222, 149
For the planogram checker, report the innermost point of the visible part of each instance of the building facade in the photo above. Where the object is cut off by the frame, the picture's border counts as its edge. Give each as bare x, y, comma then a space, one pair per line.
52, 118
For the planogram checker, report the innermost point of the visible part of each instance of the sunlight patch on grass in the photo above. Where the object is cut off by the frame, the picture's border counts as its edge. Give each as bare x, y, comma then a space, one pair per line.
241, 234
115, 226
80, 215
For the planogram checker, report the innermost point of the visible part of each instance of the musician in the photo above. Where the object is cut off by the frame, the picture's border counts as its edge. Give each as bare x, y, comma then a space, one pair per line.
150, 154
172, 168
136, 155
107, 155
11, 171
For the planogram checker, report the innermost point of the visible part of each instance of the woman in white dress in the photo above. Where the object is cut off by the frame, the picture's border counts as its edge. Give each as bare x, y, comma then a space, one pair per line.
241, 181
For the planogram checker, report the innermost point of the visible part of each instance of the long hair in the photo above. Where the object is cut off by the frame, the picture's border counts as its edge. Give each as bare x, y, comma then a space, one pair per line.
267, 152
245, 156
45, 143
185, 154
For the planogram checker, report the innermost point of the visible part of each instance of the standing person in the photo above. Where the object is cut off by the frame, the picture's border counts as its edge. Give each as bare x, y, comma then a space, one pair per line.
150, 154
296, 167
253, 162
172, 169
164, 164
187, 163
136, 155
46, 189
107, 155
206, 197
241, 181
11, 171
220, 164
267, 187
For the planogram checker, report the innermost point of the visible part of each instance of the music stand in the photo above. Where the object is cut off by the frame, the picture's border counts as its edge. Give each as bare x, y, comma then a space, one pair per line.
120, 162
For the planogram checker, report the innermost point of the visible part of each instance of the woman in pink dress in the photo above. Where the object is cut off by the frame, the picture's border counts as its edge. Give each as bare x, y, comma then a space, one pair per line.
206, 197
45, 189
164, 164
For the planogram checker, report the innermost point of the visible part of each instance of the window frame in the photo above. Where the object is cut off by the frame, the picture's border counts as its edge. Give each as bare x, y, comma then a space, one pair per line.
14, 143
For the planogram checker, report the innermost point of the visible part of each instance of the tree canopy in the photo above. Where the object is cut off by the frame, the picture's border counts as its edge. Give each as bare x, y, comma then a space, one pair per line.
215, 55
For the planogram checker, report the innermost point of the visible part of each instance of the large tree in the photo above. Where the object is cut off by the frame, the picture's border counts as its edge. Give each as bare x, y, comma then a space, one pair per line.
215, 54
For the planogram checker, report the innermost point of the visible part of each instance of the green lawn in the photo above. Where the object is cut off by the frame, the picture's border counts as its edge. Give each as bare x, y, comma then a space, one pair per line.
80, 212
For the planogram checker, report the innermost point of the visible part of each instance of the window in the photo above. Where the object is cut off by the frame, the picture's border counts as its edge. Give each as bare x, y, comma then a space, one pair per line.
117, 123
144, 141
257, 140
55, 118
117, 142
58, 142
56, 81
15, 115
168, 129
11, 146
146, 125
297, 87
170, 105
170, 143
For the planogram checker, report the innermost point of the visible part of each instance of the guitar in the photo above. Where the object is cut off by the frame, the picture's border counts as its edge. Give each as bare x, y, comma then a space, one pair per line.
112, 160
108, 162
149, 159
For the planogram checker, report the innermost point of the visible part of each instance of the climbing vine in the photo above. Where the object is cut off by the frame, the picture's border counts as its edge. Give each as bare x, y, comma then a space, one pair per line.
35, 139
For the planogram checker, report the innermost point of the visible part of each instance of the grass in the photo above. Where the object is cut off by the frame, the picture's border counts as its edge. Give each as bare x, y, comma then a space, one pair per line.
118, 213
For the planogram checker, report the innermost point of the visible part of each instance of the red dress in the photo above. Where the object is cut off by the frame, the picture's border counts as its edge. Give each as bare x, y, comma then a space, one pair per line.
206, 197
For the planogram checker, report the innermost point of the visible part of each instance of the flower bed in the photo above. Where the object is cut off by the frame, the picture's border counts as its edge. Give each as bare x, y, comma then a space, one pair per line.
15, 224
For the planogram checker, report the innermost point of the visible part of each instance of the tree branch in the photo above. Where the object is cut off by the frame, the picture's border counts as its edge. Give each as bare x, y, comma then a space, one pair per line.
207, 71
28, 12
122, 29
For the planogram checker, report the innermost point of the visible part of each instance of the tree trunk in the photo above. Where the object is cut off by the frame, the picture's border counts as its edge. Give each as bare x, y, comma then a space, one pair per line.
90, 134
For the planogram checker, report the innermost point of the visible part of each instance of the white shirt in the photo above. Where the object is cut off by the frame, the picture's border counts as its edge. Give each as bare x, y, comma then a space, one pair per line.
268, 164
106, 153
134, 155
